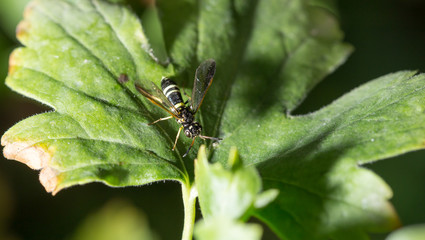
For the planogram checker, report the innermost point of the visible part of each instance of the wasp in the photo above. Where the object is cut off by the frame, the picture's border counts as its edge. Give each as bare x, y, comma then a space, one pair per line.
170, 99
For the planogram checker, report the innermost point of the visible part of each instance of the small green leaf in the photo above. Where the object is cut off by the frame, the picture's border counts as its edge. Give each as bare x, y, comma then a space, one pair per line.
226, 229
413, 232
265, 198
226, 197
234, 160
227, 193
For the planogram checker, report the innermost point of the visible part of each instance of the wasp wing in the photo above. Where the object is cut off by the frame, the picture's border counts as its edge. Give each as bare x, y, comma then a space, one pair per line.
203, 79
157, 97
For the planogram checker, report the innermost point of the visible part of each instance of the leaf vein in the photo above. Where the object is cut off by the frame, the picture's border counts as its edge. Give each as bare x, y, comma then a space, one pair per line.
105, 141
96, 99
135, 99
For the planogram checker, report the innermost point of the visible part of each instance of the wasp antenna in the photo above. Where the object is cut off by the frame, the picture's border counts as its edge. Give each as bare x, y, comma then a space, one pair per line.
212, 138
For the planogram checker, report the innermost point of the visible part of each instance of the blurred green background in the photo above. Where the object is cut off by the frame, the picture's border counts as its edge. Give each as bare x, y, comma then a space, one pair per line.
389, 35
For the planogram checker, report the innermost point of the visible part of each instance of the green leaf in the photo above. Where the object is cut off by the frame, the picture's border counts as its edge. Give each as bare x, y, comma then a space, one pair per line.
226, 197
74, 55
269, 55
226, 229
313, 160
228, 193
153, 30
413, 232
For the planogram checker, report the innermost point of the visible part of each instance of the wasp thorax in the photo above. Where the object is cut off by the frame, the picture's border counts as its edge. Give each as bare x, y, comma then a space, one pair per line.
187, 115
192, 130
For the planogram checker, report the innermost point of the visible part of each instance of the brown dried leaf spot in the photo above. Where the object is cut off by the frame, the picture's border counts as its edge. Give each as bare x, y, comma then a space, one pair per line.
49, 179
35, 157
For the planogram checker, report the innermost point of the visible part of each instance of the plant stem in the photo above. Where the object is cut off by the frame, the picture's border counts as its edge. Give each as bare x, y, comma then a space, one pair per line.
189, 201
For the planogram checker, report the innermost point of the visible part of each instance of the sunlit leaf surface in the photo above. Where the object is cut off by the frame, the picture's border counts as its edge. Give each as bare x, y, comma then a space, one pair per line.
269, 55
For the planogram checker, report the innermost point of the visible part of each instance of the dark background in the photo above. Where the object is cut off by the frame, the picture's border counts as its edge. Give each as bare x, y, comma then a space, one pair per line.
388, 35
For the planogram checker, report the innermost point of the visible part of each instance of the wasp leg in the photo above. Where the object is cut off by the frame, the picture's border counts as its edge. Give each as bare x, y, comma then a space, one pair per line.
193, 141
177, 137
161, 119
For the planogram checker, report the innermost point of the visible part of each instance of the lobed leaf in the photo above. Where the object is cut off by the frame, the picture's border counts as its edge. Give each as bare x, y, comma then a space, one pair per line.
269, 55
75, 53
313, 160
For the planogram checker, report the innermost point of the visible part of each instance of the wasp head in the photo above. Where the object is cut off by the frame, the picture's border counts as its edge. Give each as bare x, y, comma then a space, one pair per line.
192, 130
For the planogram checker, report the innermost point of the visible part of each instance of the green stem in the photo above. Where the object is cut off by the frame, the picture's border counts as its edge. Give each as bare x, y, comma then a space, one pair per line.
189, 201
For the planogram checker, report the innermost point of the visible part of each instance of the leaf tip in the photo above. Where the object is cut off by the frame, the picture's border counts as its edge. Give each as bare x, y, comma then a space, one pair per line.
393, 218
13, 62
49, 180
202, 152
35, 157
29, 8
266, 197
234, 161
23, 27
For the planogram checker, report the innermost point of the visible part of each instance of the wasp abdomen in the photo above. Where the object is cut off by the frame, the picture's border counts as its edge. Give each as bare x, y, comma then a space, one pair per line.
172, 92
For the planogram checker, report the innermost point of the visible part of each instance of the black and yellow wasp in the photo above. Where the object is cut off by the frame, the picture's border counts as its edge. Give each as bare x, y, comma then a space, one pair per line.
170, 99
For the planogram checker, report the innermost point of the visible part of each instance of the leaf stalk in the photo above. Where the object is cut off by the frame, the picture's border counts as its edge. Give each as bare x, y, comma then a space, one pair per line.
189, 201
